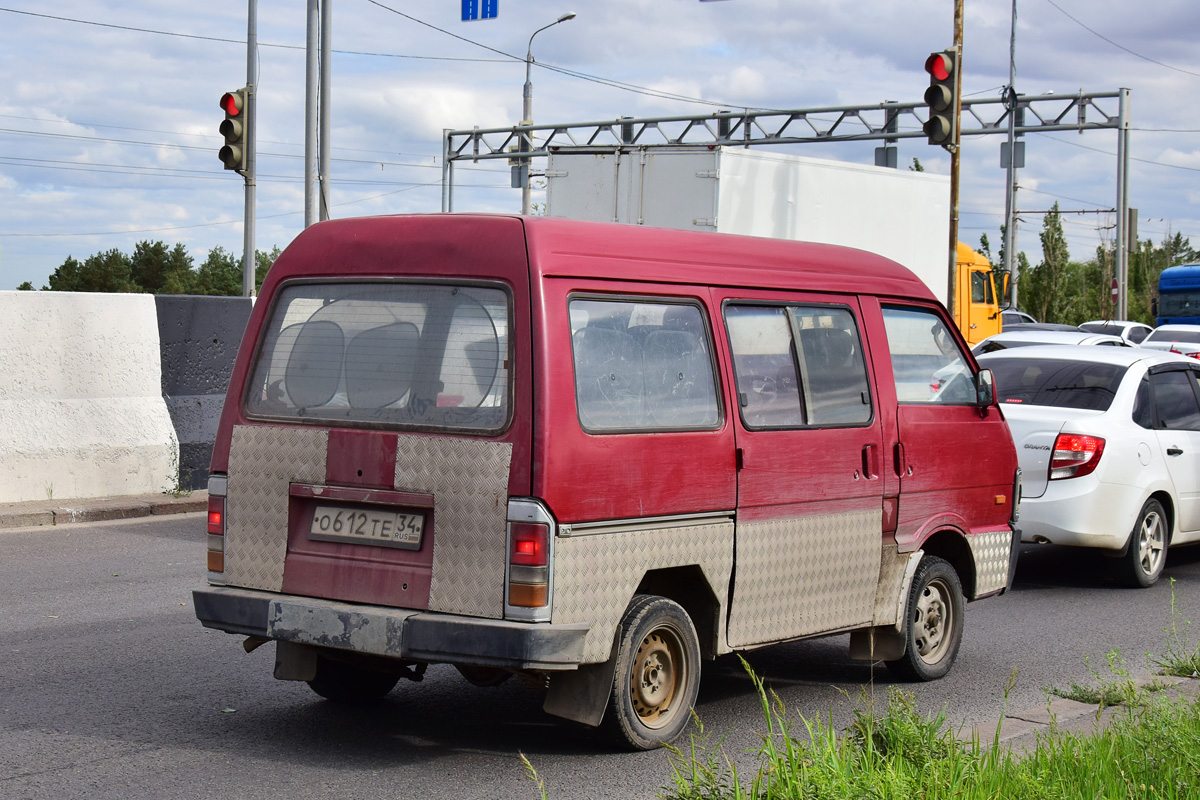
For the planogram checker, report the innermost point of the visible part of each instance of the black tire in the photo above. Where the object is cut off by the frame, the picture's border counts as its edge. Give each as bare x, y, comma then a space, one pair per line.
349, 683
933, 623
657, 674
1143, 562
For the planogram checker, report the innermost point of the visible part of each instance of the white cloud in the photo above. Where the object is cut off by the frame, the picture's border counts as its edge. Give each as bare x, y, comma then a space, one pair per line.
120, 87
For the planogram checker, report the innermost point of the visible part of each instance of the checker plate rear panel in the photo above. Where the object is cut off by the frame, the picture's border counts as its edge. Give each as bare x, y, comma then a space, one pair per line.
468, 479
263, 461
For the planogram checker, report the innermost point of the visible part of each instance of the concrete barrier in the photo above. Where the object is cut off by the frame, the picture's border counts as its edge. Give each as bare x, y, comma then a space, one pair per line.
81, 406
200, 338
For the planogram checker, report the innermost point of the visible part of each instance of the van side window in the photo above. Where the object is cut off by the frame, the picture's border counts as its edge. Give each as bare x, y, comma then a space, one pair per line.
642, 365
927, 363
823, 382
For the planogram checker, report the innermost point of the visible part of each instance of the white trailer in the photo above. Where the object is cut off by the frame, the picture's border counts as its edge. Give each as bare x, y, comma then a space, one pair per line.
900, 214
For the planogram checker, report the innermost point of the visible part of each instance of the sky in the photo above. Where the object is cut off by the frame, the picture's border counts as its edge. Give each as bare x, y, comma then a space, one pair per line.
109, 110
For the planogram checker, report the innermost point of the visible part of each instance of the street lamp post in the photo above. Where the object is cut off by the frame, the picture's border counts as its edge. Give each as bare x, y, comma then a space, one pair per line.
527, 113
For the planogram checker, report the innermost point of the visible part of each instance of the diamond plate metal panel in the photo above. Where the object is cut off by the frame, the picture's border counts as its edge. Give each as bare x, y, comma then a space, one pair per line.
263, 461
804, 575
992, 552
468, 479
595, 576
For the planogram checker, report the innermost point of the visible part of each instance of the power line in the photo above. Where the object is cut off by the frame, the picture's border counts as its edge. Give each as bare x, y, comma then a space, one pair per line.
562, 70
236, 41
194, 135
1114, 155
1121, 46
228, 222
111, 140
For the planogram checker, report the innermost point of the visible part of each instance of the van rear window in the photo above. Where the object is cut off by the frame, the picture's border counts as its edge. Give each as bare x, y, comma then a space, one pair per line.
394, 354
1054, 382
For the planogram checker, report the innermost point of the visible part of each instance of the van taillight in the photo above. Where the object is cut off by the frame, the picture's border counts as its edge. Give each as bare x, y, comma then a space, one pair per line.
216, 534
1075, 455
528, 565
217, 488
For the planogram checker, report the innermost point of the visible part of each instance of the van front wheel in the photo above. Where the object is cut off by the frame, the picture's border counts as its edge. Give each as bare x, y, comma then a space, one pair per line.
657, 674
933, 623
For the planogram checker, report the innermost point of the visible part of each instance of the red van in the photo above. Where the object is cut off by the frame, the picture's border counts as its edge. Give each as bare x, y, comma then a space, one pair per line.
600, 454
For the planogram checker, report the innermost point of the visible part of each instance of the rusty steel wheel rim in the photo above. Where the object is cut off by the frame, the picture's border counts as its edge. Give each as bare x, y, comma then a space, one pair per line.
933, 621
658, 676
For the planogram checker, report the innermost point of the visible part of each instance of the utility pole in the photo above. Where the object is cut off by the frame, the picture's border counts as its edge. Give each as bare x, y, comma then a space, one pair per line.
952, 272
249, 262
317, 63
326, 77
1010, 190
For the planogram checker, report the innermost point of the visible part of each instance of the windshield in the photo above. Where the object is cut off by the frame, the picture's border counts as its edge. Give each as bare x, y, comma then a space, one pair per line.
1179, 304
1161, 335
408, 355
1110, 328
1054, 382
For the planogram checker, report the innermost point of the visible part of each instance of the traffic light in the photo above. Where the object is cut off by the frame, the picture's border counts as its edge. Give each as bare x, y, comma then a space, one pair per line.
234, 128
940, 97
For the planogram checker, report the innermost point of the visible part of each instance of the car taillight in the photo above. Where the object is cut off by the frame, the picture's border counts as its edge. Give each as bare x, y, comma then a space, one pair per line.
217, 486
529, 565
1075, 455
1185, 350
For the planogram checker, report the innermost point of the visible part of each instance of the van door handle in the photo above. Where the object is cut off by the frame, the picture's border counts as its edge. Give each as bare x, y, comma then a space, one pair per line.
870, 462
898, 458
1174, 451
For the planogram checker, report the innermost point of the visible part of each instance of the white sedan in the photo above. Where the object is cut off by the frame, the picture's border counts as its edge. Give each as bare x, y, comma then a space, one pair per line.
1132, 332
1108, 441
1029, 338
1184, 339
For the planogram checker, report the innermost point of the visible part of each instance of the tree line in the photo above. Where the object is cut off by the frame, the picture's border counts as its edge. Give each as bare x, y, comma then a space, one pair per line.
1058, 289
155, 268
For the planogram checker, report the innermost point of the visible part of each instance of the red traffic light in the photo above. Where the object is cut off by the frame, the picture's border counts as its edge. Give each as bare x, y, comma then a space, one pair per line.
939, 66
234, 128
231, 103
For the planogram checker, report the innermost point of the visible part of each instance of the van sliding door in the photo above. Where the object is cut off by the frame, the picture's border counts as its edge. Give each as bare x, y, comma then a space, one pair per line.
809, 468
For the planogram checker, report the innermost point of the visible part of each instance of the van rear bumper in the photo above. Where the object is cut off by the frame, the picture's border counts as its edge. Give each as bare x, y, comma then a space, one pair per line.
424, 636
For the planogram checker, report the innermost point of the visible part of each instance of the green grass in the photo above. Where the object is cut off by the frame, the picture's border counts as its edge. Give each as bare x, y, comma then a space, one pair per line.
1182, 658
1151, 750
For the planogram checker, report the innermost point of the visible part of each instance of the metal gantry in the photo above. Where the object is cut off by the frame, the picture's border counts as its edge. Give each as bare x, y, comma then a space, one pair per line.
887, 122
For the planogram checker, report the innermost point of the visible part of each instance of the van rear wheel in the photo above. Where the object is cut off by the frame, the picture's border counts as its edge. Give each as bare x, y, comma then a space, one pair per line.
657, 674
349, 683
933, 623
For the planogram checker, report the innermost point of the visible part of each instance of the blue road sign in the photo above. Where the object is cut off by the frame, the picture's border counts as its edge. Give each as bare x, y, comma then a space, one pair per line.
479, 9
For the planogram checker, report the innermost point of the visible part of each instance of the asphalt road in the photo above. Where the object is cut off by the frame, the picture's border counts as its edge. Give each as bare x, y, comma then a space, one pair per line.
109, 688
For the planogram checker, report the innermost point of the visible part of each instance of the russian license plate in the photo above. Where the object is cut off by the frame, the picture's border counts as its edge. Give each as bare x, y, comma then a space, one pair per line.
401, 529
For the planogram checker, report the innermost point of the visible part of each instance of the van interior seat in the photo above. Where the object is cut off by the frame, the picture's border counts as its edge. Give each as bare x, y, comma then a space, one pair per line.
314, 366
380, 363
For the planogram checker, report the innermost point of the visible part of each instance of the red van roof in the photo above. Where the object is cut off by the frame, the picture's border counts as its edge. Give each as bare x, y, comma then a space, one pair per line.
632, 252
559, 247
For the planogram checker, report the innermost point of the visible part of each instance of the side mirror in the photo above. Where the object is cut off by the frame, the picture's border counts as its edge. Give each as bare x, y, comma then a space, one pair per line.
985, 388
